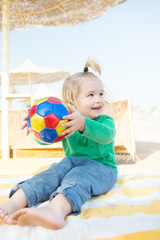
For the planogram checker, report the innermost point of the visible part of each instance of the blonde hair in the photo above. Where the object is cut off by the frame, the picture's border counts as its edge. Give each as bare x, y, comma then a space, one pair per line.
72, 84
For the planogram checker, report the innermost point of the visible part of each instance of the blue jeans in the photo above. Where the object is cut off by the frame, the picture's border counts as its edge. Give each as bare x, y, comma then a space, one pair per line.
76, 178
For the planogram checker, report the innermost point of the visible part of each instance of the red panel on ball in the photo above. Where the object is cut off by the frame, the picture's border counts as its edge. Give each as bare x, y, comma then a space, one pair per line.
32, 110
51, 121
59, 138
54, 100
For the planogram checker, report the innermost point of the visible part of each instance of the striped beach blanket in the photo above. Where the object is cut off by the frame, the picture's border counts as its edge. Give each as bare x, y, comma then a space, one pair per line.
131, 210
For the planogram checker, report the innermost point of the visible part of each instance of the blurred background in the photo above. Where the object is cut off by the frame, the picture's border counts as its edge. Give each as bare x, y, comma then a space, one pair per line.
125, 41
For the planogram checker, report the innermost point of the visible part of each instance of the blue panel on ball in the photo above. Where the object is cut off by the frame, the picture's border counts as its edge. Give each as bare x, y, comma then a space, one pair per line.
29, 123
48, 135
60, 110
45, 108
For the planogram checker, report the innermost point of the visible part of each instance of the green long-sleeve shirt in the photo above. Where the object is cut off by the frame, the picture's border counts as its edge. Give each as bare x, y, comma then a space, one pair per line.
96, 142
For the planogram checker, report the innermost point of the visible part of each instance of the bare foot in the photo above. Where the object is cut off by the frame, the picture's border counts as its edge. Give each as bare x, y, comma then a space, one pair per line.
7, 209
48, 217
17, 201
4, 215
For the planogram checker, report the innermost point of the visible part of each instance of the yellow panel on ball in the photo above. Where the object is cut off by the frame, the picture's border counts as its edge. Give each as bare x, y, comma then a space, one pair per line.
37, 123
41, 100
60, 129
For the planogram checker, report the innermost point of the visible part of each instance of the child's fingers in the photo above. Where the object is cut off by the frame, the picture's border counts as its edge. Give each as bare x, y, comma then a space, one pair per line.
72, 111
66, 117
68, 135
69, 131
24, 125
28, 132
67, 124
69, 117
71, 107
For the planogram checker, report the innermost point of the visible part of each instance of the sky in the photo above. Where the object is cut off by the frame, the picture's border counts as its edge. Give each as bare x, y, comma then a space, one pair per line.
125, 41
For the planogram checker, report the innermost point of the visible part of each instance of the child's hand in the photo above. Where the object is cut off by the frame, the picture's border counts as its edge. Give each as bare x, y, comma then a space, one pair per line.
75, 122
25, 125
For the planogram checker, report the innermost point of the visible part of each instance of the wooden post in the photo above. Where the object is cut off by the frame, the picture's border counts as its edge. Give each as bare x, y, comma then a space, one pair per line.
5, 79
30, 87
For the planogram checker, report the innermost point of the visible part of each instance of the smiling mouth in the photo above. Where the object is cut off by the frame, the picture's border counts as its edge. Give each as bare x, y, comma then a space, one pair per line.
96, 108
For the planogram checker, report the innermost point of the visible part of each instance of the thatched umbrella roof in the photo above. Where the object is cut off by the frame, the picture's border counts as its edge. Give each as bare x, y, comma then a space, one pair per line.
30, 73
54, 13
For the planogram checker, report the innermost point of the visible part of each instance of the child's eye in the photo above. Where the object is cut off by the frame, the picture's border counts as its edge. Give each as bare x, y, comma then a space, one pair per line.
101, 94
90, 95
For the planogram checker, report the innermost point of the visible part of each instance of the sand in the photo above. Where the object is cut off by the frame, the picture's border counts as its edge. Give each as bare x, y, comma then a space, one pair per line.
147, 141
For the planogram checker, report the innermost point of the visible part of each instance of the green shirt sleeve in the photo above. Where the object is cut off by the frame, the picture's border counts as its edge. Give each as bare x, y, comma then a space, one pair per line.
102, 131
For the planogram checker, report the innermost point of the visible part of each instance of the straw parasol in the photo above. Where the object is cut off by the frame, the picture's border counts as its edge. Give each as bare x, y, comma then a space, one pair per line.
29, 73
16, 14
56, 12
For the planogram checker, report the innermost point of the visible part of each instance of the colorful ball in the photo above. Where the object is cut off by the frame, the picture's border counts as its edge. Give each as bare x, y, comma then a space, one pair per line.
45, 118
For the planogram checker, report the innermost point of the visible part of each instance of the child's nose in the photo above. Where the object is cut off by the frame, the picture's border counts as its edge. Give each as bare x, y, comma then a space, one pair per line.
98, 99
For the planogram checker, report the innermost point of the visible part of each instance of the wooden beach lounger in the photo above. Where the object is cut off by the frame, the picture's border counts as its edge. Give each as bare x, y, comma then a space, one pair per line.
24, 146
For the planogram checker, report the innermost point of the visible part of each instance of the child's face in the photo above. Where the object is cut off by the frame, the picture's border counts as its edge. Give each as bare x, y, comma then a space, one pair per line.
90, 101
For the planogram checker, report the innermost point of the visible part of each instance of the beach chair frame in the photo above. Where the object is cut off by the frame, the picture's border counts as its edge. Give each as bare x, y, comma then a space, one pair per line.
25, 146
121, 111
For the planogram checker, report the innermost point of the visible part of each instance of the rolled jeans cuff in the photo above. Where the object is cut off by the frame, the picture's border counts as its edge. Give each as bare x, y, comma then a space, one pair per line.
27, 191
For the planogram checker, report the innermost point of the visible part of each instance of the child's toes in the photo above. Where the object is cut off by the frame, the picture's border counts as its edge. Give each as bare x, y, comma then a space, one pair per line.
11, 221
4, 216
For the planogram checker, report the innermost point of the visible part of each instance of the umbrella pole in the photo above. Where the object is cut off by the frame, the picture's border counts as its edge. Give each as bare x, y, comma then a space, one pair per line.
30, 86
5, 79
